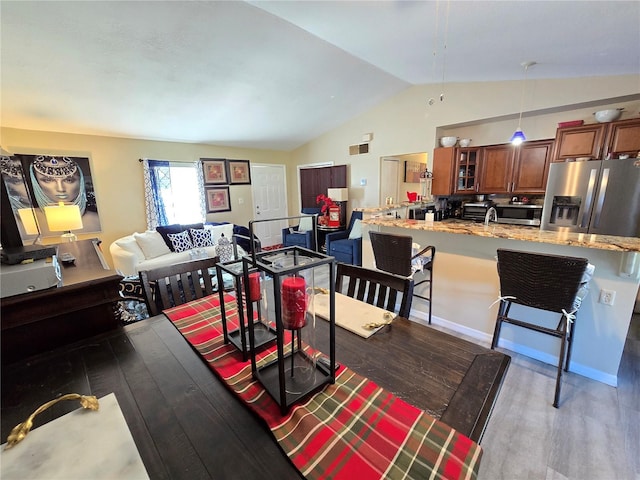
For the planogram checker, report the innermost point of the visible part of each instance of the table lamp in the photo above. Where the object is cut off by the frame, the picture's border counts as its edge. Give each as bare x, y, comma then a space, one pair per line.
29, 222
64, 218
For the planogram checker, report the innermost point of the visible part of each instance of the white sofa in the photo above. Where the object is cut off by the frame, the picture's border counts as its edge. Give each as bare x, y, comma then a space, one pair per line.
148, 250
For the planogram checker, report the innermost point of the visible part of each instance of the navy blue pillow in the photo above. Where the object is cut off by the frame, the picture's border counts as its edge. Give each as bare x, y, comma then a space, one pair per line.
165, 230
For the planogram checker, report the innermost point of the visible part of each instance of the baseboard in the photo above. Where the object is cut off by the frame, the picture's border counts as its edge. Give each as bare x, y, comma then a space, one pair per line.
485, 338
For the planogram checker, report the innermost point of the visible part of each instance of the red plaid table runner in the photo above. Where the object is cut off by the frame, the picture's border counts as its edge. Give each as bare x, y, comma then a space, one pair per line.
350, 430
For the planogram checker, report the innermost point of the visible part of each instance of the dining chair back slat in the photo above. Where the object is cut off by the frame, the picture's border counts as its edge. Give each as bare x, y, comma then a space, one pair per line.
166, 287
375, 287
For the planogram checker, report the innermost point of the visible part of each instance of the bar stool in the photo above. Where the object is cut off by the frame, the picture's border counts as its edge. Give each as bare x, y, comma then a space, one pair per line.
553, 283
395, 254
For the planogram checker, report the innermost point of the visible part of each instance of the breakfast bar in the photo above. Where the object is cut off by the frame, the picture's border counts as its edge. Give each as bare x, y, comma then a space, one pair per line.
466, 285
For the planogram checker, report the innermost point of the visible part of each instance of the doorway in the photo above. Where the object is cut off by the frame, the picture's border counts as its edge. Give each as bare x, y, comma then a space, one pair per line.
392, 176
269, 192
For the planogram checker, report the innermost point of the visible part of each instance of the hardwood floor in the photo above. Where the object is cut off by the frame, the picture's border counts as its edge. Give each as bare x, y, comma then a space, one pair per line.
594, 435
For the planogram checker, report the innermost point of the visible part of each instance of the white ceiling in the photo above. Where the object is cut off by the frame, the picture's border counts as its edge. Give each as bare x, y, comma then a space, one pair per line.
276, 74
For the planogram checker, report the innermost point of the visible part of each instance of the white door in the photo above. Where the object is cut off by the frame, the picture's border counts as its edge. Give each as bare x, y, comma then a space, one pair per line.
269, 189
389, 183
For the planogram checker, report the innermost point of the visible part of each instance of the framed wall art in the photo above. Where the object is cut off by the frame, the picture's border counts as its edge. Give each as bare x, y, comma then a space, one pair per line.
412, 171
218, 199
214, 171
239, 172
34, 182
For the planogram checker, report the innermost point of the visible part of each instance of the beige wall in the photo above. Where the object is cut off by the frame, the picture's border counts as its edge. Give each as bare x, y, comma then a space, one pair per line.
406, 124
118, 177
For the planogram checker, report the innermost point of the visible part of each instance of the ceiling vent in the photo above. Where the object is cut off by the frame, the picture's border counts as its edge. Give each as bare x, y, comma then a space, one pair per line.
358, 149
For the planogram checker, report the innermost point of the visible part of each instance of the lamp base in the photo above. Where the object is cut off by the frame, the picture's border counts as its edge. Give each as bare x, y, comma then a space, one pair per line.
68, 237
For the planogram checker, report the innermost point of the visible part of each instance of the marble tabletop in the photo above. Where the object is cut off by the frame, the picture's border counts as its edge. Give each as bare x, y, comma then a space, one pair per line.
82, 444
514, 232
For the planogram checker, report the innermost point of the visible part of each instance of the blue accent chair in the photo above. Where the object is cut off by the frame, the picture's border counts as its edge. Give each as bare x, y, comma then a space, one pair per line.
291, 236
343, 248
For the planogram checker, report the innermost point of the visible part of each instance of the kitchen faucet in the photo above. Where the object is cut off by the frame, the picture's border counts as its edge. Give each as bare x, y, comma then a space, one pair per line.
491, 213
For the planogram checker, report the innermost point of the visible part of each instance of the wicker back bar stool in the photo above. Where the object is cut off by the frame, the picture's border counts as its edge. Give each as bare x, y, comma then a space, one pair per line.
553, 283
395, 254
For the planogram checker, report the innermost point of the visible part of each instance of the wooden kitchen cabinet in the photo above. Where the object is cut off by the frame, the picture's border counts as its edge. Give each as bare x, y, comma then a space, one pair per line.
455, 170
466, 170
596, 141
521, 169
623, 137
584, 141
443, 164
531, 167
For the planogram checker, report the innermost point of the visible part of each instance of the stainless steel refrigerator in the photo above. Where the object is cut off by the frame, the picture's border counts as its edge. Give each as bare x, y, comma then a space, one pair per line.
596, 196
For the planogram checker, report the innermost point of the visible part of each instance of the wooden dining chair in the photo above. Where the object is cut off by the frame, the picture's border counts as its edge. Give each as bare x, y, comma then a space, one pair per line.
394, 254
166, 287
374, 287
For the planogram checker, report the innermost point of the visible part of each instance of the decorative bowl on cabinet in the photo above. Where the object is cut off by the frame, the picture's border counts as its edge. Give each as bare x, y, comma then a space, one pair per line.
609, 115
448, 141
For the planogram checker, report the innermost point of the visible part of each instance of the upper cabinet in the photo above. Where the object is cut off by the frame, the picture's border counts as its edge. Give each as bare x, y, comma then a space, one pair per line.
521, 169
597, 140
455, 170
623, 137
492, 169
443, 163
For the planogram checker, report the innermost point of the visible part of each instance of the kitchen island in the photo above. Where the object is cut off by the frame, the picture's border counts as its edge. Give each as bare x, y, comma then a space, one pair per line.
466, 286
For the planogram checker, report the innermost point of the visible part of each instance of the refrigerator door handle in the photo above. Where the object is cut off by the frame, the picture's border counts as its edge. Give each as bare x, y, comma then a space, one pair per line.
589, 198
601, 194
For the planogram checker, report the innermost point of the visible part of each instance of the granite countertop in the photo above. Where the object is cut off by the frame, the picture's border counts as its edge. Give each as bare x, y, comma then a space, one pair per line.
514, 232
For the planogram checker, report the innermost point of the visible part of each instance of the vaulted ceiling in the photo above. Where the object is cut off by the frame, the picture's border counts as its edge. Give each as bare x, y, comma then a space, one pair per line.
276, 74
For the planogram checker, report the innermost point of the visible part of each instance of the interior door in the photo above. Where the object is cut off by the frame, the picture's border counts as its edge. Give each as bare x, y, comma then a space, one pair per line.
389, 179
269, 192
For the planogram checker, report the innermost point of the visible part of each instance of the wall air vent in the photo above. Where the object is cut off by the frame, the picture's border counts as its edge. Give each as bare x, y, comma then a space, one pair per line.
358, 149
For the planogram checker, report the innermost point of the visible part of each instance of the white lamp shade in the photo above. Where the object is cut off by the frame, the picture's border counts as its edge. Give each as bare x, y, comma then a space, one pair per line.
28, 219
63, 218
338, 194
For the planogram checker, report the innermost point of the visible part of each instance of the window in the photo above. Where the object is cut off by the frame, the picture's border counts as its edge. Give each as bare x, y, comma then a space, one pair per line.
174, 193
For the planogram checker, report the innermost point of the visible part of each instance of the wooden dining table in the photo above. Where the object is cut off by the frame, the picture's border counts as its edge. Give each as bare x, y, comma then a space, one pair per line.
187, 424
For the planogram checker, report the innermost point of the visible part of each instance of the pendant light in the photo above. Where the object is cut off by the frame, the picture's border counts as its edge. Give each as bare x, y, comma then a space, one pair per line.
518, 136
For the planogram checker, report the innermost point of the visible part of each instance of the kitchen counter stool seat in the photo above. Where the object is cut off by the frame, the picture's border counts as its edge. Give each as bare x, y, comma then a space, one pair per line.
553, 283
395, 254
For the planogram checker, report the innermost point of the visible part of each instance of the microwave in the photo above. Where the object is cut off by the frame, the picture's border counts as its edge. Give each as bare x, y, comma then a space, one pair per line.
476, 211
514, 214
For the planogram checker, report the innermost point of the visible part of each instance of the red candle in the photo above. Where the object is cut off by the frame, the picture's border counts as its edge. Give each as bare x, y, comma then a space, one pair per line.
294, 303
254, 287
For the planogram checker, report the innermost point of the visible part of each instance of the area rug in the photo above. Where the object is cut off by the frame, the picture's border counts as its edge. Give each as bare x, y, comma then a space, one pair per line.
352, 429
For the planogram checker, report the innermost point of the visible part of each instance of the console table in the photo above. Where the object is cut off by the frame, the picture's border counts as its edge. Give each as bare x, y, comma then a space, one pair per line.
82, 307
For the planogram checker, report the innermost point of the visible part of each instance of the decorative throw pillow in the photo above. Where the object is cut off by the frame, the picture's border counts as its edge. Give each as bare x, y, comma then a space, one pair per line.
306, 224
165, 230
180, 241
216, 230
130, 245
356, 230
201, 237
151, 243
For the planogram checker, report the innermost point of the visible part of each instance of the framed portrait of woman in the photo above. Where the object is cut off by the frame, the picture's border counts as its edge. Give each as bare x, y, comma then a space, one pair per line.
217, 199
38, 181
215, 171
239, 172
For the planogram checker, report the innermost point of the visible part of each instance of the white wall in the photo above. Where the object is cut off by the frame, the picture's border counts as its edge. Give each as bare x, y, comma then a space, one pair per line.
406, 124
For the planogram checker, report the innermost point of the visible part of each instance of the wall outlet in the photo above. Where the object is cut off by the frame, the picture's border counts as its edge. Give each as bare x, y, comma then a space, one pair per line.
607, 297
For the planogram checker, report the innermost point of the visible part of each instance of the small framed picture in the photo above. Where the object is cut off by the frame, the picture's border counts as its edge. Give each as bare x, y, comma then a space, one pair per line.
217, 199
412, 171
215, 171
239, 172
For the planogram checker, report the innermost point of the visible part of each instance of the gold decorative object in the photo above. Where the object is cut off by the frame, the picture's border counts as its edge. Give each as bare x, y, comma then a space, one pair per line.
22, 429
388, 318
